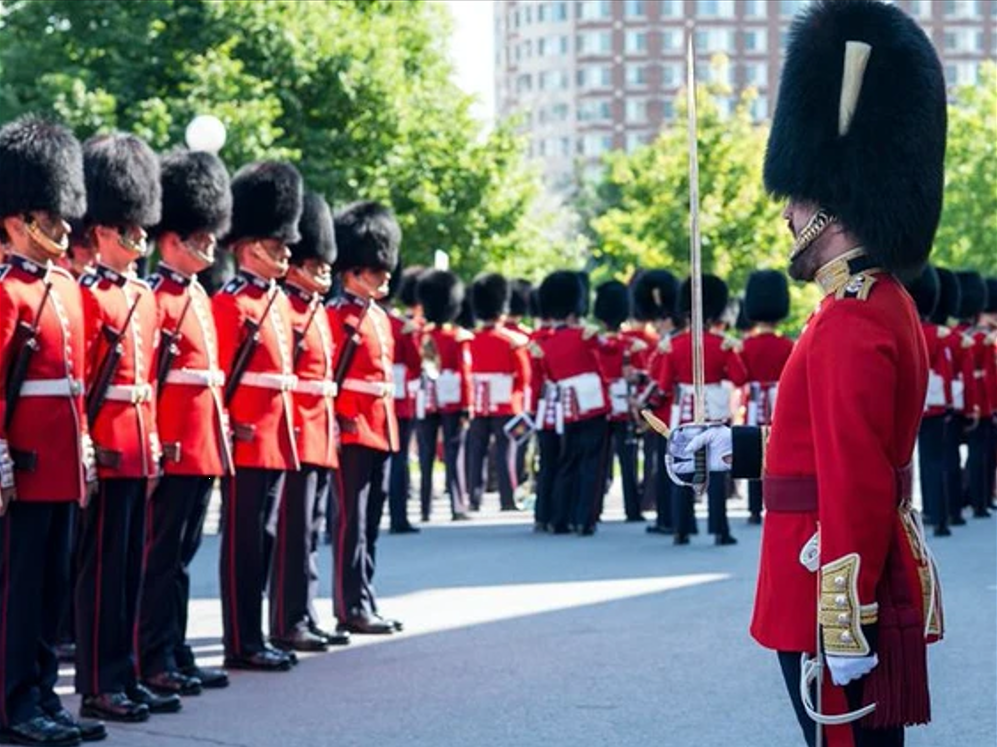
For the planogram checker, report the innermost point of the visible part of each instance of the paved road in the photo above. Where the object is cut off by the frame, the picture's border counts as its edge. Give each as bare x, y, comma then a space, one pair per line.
520, 639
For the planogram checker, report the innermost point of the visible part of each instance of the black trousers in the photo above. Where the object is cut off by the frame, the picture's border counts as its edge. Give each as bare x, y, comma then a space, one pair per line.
978, 465
684, 508
361, 505
549, 456
174, 524
453, 440
663, 488
953, 464
622, 444
399, 477
756, 500
108, 586
931, 467
649, 478
480, 434
294, 571
34, 581
249, 500
579, 474
789, 662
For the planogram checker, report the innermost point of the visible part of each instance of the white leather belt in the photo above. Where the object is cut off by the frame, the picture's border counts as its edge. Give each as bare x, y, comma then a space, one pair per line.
196, 377
499, 386
318, 387
51, 388
587, 388
279, 382
373, 388
136, 394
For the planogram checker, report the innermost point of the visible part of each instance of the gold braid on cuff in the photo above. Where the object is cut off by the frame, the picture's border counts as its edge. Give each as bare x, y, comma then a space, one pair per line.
841, 614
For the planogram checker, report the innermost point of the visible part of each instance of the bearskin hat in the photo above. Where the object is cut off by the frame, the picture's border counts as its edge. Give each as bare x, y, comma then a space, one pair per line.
864, 139
197, 194
741, 322
612, 303
466, 318
991, 305
653, 295
441, 294
766, 297
536, 310
585, 303
41, 168
972, 294
122, 176
266, 202
367, 236
394, 283
519, 297
490, 296
949, 296
409, 279
715, 297
318, 240
561, 294
925, 289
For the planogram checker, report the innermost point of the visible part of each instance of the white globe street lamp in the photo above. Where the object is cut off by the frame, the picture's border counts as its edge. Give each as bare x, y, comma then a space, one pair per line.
205, 133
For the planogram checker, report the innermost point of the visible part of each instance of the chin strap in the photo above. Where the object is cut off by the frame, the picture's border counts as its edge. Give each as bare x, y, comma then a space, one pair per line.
812, 231
46, 242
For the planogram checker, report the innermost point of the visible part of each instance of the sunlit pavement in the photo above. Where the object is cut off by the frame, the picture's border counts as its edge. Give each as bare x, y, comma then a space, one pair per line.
514, 638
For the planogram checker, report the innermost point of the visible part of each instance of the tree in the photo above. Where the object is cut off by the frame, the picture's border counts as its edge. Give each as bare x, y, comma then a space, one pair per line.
359, 94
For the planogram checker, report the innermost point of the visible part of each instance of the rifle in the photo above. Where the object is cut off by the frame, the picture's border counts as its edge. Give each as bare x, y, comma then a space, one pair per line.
168, 349
26, 344
350, 348
300, 335
108, 365
244, 353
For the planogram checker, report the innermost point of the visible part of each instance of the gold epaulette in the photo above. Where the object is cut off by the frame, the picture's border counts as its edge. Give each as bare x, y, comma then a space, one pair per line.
858, 287
638, 346
464, 335
732, 343
841, 614
536, 351
967, 341
589, 331
410, 327
665, 345
943, 331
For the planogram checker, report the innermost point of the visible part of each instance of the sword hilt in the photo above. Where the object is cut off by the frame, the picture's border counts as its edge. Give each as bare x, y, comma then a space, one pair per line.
701, 474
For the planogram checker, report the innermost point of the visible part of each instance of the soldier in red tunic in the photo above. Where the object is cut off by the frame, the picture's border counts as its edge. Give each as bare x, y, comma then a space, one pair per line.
294, 572
864, 203
569, 365
193, 426
367, 239
520, 292
988, 327
122, 334
500, 376
445, 396
46, 457
256, 351
764, 352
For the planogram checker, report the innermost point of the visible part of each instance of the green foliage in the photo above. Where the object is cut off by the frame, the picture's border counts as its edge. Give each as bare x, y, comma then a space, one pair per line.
359, 94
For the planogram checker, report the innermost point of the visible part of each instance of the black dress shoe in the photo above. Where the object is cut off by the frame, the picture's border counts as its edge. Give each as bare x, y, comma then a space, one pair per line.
363, 625
156, 703
210, 677
90, 731
406, 529
41, 730
957, 521
339, 638
460, 516
586, 531
173, 683
634, 519
724, 539
658, 529
981, 513
66, 653
560, 529
113, 707
261, 661
681, 539
300, 640
289, 655
755, 519
942, 532
396, 624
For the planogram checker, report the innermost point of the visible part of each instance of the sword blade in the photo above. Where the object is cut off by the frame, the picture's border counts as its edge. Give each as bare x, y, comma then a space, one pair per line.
695, 246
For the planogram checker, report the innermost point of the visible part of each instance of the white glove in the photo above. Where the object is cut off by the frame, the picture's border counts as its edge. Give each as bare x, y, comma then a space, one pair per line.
844, 669
686, 440
6, 467
89, 460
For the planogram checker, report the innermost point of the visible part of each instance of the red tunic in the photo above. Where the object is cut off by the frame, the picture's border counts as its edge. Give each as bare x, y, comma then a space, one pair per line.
261, 411
569, 359
51, 427
721, 363
124, 432
939, 398
500, 371
407, 366
365, 407
618, 352
764, 355
979, 374
849, 408
193, 424
314, 414
451, 347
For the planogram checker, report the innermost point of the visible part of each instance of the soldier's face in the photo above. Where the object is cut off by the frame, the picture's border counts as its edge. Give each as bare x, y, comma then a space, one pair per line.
40, 232
275, 256
202, 246
804, 264
313, 275
376, 281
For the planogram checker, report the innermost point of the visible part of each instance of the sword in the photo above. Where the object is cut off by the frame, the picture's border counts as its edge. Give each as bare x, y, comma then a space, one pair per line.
700, 477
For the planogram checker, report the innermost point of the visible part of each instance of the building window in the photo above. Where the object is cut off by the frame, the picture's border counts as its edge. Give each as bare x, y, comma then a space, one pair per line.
636, 42
636, 76
552, 46
962, 9
961, 73
756, 8
636, 110
668, 109
595, 76
714, 40
783, 40
725, 106
756, 40
593, 10
527, 49
671, 75
637, 140
634, 9
963, 40
595, 144
920, 8
756, 74
715, 8
595, 110
718, 74
789, 8
671, 8
760, 108
595, 42
565, 146
671, 41
553, 80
